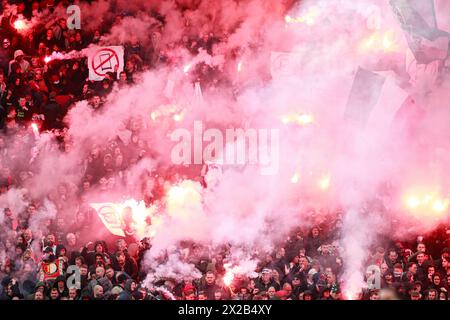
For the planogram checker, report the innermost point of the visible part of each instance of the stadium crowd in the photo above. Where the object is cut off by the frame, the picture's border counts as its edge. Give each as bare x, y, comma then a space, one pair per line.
37, 252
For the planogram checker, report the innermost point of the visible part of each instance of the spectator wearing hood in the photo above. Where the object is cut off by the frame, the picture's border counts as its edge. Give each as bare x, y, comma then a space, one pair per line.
19, 59
60, 285
129, 288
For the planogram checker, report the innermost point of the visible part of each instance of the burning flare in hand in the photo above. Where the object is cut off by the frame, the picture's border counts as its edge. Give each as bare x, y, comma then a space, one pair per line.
20, 25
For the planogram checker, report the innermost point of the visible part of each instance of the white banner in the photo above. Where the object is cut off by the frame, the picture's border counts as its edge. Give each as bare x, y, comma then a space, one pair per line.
102, 60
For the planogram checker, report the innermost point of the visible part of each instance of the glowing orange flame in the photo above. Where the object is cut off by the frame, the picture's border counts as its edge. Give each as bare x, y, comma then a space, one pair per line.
295, 178
309, 17
172, 111
177, 117
324, 183
229, 275
349, 296
379, 42
184, 199
228, 278
187, 68
440, 206
299, 119
20, 25
239, 67
427, 204
35, 129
